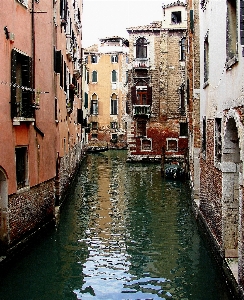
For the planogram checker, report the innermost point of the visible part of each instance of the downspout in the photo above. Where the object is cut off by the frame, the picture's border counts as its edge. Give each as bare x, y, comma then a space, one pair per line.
33, 46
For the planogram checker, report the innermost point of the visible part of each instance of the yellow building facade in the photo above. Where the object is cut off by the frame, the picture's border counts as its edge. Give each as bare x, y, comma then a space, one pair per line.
107, 80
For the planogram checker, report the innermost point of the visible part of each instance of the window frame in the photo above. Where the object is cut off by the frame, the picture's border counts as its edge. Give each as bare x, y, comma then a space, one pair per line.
94, 76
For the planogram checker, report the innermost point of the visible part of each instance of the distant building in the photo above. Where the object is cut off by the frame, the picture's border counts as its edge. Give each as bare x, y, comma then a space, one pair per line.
156, 104
106, 64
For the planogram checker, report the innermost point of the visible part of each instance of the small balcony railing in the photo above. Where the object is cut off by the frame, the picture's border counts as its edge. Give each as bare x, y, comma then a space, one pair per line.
23, 110
141, 110
141, 63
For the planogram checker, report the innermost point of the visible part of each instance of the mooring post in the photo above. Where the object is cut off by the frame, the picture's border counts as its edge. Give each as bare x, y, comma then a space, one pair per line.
162, 161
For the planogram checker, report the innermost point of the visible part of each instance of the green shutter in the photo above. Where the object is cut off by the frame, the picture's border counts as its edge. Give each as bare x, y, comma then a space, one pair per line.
192, 20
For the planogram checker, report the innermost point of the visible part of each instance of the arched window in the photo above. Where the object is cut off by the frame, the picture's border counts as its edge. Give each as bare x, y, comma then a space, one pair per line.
141, 48
94, 76
94, 105
114, 104
114, 76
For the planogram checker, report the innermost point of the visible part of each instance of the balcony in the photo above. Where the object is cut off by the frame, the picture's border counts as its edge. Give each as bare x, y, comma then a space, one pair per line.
142, 110
23, 112
141, 63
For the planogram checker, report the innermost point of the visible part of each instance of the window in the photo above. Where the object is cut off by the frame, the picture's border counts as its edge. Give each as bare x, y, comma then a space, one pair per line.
176, 17
206, 59
94, 76
86, 101
183, 129
94, 125
21, 166
182, 98
141, 94
141, 97
218, 140
172, 145
63, 10
231, 30
141, 128
114, 76
113, 125
21, 79
87, 77
93, 59
183, 49
141, 48
114, 105
94, 105
146, 145
114, 58
114, 137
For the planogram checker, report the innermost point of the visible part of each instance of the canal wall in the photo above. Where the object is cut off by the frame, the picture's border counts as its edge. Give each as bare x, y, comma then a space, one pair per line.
217, 252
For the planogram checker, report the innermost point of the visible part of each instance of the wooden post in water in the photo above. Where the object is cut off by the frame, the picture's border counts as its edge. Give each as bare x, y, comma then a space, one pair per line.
162, 161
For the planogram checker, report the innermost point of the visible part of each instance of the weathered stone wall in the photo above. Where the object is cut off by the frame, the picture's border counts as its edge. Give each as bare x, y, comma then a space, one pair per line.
29, 210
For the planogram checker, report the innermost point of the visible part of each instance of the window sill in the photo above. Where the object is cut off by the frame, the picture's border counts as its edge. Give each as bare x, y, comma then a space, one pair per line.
23, 3
231, 62
206, 83
22, 190
17, 120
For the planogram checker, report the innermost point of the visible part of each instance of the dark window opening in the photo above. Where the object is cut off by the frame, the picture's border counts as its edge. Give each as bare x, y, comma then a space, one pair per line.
114, 76
93, 59
21, 162
114, 58
176, 17
183, 49
204, 137
146, 145
141, 48
218, 140
114, 105
94, 76
172, 145
183, 129
94, 125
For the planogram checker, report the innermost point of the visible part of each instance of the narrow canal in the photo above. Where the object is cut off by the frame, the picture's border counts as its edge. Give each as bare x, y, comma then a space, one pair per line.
124, 233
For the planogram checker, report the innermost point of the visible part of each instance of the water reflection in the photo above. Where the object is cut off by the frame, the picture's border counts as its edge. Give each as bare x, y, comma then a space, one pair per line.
125, 233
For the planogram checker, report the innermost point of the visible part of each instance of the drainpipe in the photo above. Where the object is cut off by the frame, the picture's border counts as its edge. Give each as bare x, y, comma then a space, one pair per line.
33, 45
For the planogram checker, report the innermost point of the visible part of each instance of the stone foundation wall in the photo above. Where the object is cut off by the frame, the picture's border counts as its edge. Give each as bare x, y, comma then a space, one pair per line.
68, 166
30, 209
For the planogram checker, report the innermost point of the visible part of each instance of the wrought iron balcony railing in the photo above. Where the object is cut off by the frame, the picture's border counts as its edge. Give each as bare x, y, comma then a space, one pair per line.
141, 110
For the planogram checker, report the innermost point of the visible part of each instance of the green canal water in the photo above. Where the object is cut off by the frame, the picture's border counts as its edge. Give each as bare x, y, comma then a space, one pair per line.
124, 233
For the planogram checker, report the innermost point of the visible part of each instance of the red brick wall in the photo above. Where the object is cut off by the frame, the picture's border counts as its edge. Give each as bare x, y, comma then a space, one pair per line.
211, 187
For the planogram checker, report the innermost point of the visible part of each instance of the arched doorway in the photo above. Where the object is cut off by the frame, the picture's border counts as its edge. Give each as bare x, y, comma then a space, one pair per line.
231, 170
3, 209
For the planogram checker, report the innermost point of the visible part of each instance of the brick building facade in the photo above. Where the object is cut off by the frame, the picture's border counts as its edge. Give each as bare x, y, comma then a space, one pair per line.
156, 102
40, 101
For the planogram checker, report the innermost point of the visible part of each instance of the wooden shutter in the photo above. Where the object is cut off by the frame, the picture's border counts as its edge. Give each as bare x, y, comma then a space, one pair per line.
149, 95
133, 94
27, 82
13, 82
86, 101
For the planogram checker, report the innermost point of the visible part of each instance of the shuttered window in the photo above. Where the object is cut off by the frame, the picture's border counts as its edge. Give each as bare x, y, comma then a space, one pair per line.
21, 163
21, 84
